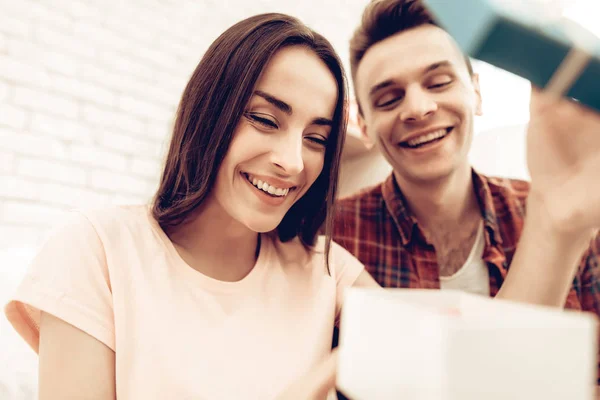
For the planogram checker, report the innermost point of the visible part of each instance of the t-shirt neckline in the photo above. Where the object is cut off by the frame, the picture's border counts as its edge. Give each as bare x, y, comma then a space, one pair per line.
205, 280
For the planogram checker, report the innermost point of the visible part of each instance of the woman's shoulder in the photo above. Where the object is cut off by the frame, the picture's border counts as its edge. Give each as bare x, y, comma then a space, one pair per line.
109, 220
107, 225
116, 216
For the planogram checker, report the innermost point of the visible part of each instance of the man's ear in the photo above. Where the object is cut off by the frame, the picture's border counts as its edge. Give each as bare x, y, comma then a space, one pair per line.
478, 100
363, 126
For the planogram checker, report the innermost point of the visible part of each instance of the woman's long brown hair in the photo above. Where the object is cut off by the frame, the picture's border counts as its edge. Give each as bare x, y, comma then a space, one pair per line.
211, 106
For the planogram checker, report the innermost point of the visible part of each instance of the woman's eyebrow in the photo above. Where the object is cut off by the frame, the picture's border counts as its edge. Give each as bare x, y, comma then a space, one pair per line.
286, 108
280, 104
322, 121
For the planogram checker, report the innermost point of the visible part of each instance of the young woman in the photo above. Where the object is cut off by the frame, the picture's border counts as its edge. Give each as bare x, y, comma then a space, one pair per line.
219, 289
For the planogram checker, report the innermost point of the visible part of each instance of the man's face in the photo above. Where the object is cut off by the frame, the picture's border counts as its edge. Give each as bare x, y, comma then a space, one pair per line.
418, 103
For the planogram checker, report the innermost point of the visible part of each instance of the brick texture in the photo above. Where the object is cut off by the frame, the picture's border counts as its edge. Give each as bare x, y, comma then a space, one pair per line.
88, 90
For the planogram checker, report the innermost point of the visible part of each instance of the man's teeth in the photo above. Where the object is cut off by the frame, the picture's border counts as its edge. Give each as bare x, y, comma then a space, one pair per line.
264, 186
427, 137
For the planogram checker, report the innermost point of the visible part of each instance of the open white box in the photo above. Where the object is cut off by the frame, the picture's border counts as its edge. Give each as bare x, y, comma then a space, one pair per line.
448, 345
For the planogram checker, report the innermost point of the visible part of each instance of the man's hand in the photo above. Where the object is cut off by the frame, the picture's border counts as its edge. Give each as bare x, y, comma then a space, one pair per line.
563, 206
316, 383
563, 156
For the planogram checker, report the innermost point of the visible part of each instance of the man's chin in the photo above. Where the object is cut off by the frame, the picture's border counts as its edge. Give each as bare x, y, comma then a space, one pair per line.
429, 175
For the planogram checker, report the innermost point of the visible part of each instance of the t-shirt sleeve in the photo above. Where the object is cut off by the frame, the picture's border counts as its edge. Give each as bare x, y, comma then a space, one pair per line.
345, 268
69, 279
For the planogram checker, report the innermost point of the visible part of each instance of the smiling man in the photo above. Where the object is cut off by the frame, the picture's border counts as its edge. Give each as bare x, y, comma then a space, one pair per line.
437, 223
418, 97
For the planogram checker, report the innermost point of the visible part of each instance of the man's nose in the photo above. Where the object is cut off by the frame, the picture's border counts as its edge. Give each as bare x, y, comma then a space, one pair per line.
417, 105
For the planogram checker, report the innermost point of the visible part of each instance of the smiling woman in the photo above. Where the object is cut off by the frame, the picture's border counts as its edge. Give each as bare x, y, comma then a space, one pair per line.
220, 288
281, 141
187, 179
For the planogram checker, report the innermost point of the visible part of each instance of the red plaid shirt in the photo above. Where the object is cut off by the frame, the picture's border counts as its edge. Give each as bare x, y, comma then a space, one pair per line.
376, 226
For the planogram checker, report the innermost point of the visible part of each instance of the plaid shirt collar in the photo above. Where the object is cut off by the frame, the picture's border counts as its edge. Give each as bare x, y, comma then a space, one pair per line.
406, 222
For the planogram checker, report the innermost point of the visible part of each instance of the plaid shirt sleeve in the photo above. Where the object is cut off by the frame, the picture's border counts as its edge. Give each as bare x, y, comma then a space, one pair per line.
587, 284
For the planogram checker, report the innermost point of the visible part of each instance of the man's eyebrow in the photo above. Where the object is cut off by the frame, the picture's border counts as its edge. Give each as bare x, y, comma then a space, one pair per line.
380, 85
429, 68
282, 105
439, 64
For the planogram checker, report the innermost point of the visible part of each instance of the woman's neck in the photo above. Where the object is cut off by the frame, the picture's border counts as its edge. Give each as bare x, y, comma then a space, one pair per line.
215, 244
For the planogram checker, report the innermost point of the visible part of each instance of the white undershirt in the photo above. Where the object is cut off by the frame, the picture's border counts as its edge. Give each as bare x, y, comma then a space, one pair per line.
473, 276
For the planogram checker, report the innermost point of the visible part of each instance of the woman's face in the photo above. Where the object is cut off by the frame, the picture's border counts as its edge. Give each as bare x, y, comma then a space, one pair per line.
278, 147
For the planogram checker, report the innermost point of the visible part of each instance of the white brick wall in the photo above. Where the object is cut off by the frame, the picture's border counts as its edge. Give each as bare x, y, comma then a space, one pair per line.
88, 89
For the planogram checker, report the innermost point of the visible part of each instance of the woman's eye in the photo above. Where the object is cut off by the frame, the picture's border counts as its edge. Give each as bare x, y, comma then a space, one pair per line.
262, 119
317, 140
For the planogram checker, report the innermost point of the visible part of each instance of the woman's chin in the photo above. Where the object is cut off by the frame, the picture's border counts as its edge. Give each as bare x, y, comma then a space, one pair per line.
263, 226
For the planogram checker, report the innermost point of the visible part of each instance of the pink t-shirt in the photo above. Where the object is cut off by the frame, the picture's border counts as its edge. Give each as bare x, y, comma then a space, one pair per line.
176, 333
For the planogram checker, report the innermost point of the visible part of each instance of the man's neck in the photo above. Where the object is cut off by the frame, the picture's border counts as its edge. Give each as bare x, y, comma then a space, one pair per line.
443, 204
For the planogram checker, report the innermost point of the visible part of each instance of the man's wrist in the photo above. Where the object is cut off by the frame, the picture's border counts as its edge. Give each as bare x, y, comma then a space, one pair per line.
554, 231
546, 260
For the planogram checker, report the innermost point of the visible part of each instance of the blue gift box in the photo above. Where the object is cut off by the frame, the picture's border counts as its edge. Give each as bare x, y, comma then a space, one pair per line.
520, 40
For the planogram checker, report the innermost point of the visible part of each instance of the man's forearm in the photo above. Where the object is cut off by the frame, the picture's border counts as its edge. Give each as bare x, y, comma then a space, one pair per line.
546, 260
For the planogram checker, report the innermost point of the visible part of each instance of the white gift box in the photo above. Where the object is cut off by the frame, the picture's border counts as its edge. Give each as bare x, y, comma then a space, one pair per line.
447, 345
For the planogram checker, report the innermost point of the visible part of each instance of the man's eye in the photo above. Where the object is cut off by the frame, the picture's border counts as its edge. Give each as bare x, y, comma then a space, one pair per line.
439, 85
261, 119
387, 101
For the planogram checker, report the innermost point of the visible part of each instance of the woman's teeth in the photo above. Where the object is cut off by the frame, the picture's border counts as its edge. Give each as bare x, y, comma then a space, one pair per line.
429, 137
265, 187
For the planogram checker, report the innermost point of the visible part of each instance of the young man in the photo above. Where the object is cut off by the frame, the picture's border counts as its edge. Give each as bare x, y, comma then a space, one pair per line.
437, 223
